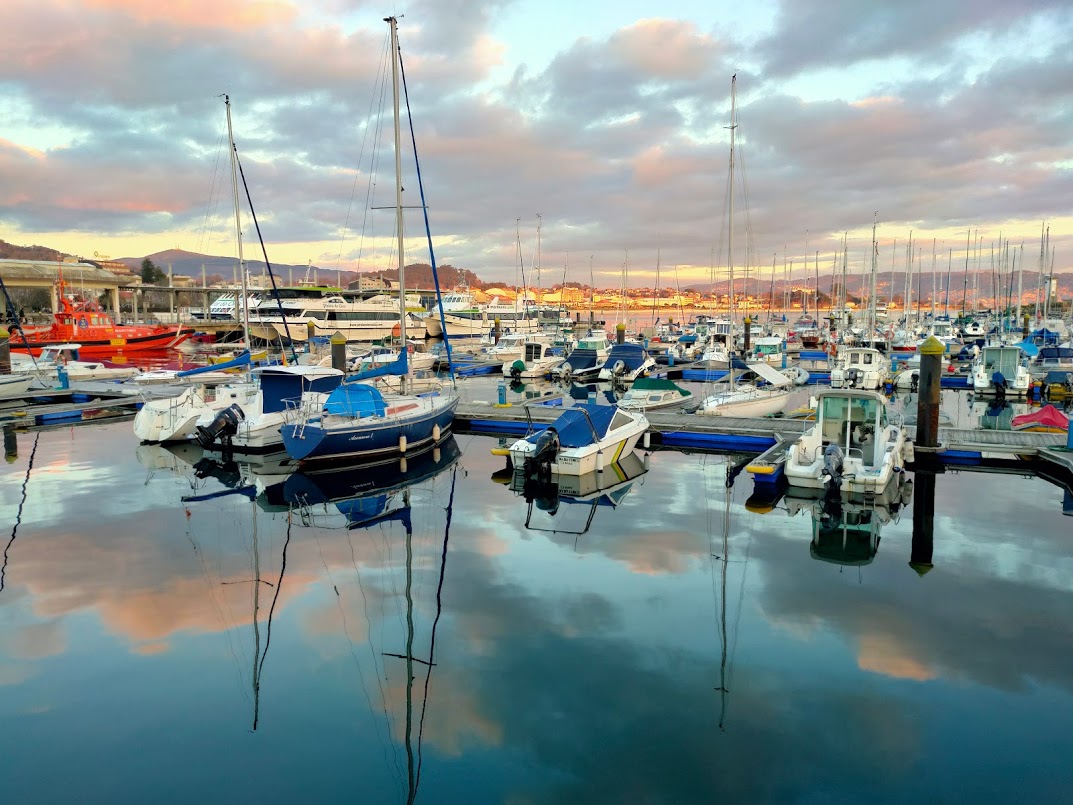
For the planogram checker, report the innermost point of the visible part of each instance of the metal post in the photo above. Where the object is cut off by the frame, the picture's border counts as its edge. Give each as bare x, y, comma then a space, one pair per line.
923, 522
5, 352
338, 342
931, 372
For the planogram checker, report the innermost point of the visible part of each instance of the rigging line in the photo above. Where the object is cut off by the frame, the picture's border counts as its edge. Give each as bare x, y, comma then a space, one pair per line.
723, 609
435, 622
213, 202
361, 151
18, 514
268, 265
428, 230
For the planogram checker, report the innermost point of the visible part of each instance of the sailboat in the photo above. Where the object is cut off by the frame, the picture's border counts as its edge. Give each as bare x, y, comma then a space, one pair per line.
743, 399
249, 411
358, 421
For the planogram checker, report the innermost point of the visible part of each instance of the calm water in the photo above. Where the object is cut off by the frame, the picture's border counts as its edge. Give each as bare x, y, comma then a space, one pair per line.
173, 633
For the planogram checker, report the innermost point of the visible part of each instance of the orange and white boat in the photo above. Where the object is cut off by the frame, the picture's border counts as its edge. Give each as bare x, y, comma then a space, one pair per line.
92, 328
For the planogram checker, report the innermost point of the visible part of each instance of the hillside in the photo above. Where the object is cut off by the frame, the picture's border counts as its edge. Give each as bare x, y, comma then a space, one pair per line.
9, 251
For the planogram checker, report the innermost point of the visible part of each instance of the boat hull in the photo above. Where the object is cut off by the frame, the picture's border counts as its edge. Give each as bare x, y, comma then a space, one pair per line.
332, 438
118, 344
758, 406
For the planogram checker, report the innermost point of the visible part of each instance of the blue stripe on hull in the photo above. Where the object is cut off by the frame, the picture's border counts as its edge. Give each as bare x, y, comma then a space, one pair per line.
364, 439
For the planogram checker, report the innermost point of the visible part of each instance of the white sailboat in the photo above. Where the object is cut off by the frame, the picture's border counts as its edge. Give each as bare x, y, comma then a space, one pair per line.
743, 399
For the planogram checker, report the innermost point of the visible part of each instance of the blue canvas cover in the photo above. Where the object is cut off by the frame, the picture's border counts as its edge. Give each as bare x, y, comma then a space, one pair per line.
632, 355
356, 400
396, 367
574, 429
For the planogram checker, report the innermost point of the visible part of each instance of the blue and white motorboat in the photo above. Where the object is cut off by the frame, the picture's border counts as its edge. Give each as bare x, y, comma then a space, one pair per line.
1002, 371
627, 362
585, 438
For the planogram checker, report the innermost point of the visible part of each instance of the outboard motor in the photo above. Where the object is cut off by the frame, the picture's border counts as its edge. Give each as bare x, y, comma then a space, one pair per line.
998, 380
832, 468
223, 426
516, 369
618, 368
914, 381
544, 453
852, 376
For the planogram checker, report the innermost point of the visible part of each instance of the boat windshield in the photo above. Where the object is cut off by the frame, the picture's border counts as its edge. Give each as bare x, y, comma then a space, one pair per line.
844, 416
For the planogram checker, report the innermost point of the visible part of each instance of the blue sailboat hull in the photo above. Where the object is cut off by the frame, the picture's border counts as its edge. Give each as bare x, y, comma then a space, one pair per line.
368, 437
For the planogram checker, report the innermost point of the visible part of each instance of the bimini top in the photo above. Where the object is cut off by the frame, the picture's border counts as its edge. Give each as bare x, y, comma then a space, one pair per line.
658, 384
573, 426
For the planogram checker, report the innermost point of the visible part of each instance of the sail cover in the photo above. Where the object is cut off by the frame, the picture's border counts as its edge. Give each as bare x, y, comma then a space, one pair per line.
770, 374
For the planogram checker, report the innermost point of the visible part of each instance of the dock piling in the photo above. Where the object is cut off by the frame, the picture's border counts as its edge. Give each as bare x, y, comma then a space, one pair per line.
311, 330
931, 373
620, 333
923, 522
748, 334
497, 331
11, 446
5, 352
338, 342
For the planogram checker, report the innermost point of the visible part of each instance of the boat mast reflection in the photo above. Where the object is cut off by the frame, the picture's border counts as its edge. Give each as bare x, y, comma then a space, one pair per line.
11, 451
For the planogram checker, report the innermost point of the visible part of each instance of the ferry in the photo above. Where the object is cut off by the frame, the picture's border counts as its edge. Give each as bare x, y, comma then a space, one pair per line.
331, 310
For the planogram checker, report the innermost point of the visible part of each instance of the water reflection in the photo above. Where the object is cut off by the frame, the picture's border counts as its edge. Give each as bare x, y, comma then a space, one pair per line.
426, 645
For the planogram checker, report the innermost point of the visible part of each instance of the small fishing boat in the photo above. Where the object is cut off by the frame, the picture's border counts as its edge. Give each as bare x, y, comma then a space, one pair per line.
1047, 419
1001, 371
657, 394
585, 438
66, 357
84, 322
853, 446
16, 383
859, 368
587, 358
537, 361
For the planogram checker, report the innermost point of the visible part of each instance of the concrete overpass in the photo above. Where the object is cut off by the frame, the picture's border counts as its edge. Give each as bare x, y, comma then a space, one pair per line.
79, 276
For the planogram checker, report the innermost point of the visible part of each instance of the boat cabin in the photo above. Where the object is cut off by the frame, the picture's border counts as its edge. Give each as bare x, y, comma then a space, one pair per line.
854, 420
1001, 359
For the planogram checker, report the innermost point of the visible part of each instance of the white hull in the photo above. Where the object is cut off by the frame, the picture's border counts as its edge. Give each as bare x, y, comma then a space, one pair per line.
745, 404
15, 384
466, 327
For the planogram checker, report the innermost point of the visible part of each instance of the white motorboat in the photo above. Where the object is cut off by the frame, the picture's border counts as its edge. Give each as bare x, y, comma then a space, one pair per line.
585, 438
859, 368
16, 383
657, 394
537, 361
854, 446
46, 365
1002, 371
627, 362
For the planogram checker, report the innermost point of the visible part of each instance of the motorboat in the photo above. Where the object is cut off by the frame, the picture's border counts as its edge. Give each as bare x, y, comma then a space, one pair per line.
68, 358
537, 360
627, 362
854, 446
587, 358
657, 394
1001, 371
860, 368
585, 438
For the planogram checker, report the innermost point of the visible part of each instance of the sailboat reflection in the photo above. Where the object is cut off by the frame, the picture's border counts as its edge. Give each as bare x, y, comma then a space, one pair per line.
846, 529
605, 488
367, 493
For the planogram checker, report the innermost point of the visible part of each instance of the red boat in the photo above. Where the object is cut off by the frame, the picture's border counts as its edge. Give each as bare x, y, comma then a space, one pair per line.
85, 323
1047, 419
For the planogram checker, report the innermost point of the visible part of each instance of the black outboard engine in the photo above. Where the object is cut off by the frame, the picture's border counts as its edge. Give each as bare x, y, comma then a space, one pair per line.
998, 380
832, 468
223, 426
852, 377
516, 370
547, 448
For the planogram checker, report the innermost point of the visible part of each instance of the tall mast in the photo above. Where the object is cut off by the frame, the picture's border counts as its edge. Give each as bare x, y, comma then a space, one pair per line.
965, 279
238, 223
872, 285
934, 283
730, 217
393, 23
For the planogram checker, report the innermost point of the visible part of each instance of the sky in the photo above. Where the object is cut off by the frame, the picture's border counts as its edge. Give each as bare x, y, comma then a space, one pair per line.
604, 130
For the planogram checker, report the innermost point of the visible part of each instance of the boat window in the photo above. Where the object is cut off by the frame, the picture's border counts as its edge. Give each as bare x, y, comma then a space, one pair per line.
868, 358
620, 420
